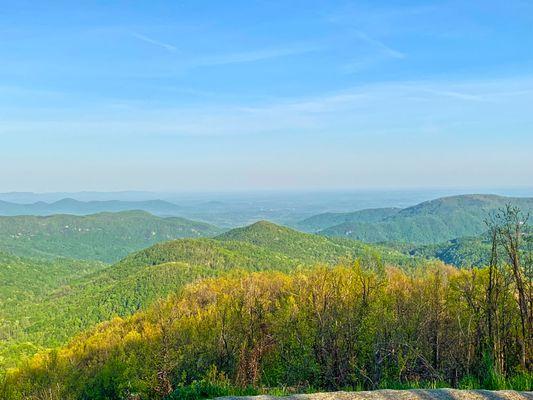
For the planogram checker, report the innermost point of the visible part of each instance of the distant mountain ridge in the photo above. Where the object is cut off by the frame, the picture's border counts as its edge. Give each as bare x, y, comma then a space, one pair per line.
433, 221
326, 220
104, 236
76, 207
50, 197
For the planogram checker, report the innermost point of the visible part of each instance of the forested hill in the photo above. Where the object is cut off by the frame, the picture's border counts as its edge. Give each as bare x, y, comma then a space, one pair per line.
69, 306
326, 220
432, 221
462, 252
251, 309
45, 303
26, 284
76, 207
32, 279
309, 247
103, 236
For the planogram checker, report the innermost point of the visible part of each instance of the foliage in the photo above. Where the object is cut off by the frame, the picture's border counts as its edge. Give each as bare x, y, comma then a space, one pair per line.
430, 222
70, 305
145, 276
105, 237
308, 247
462, 252
247, 313
25, 283
362, 326
326, 220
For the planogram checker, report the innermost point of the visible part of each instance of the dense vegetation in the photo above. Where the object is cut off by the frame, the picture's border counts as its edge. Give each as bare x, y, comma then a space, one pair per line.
308, 247
431, 222
60, 310
264, 307
326, 220
26, 283
462, 252
143, 277
105, 236
358, 326
32, 278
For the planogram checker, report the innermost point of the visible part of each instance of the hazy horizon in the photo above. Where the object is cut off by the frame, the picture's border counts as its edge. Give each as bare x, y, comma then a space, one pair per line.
372, 197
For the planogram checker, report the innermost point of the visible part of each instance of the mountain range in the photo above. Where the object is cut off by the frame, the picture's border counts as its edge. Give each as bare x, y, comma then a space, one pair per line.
76, 207
104, 236
319, 222
79, 282
429, 222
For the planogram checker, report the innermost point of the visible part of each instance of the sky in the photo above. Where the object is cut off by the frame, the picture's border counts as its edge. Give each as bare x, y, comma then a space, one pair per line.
223, 95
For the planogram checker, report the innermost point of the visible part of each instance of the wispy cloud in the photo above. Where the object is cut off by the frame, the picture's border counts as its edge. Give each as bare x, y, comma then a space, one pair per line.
376, 52
382, 47
154, 42
255, 55
461, 95
387, 109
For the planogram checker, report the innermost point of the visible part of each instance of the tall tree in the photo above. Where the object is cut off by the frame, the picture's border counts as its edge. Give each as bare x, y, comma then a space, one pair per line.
509, 229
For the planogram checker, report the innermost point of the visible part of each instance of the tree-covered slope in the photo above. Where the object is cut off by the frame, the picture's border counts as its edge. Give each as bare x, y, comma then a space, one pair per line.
104, 236
309, 247
326, 220
462, 252
150, 274
25, 284
432, 221
316, 329
66, 306
30, 279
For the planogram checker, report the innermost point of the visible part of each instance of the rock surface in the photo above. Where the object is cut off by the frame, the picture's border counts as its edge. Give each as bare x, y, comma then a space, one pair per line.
418, 394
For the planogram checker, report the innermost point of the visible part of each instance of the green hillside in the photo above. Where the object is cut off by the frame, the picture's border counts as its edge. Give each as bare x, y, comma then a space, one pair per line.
150, 274
27, 283
430, 222
309, 247
326, 220
461, 252
30, 279
105, 236
68, 306
317, 329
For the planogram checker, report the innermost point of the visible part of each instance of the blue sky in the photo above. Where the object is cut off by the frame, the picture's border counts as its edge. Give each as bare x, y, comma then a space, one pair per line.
186, 95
